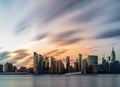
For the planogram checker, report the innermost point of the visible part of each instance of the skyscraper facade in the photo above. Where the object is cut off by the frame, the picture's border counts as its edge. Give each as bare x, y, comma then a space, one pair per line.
113, 55
53, 65
35, 63
92, 59
79, 62
40, 64
67, 63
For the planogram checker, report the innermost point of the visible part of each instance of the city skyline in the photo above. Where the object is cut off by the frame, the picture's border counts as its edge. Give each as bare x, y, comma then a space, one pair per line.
58, 28
50, 65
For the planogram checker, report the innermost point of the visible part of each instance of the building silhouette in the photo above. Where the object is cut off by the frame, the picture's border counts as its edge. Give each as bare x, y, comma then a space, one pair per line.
79, 62
84, 66
113, 56
92, 61
9, 67
76, 66
35, 64
67, 64
40, 64
1, 68
53, 65
46, 65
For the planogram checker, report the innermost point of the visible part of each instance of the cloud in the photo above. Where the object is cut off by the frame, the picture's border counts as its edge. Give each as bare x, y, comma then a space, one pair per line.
71, 41
4, 55
66, 37
22, 26
58, 8
68, 33
51, 52
20, 54
59, 53
40, 37
89, 15
44, 14
24, 62
55, 52
19, 51
115, 33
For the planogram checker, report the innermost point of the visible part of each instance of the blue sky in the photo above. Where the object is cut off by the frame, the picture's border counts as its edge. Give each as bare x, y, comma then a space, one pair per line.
58, 28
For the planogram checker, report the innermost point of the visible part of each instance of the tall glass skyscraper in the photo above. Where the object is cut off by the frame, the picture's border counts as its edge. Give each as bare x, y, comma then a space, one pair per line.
113, 55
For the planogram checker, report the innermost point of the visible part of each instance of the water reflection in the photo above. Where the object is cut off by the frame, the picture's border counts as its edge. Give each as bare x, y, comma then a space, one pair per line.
60, 81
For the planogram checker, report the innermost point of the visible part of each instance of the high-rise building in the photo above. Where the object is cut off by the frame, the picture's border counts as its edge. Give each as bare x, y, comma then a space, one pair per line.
67, 63
92, 59
113, 55
40, 64
84, 66
8, 67
14, 68
46, 64
103, 60
53, 65
79, 62
76, 66
59, 67
1, 68
35, 63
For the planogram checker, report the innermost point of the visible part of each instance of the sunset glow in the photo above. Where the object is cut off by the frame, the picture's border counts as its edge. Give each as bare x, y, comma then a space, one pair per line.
58, 28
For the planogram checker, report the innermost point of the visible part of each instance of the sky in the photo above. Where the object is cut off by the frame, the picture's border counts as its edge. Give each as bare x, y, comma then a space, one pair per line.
58, 28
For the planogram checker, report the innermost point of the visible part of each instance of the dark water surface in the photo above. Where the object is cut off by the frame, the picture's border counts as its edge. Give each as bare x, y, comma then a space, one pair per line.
60, 81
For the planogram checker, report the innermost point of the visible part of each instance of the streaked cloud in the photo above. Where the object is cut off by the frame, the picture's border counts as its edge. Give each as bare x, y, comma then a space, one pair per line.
66, 37
4, 55
55, 52
40, 37
114, 33
56, 25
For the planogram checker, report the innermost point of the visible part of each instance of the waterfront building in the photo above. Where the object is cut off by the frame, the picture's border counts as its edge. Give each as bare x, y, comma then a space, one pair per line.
84, 66
1, 68
79, 62
46, 65
8, 67
92, 60
76, 66
113, 56
40, 64
35, 64
53, 65
67, 64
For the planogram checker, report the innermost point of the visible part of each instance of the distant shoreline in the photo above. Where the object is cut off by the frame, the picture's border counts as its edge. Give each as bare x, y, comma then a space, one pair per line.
14, 73
24, 73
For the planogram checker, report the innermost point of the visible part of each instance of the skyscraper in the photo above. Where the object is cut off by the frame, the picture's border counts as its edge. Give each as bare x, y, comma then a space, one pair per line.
92, 60
53, 65
113, 55
46, 64
84, 66
40, 64
1, 68
59, 67
35, 63
8, 67
76, 66
79, 62
67, 63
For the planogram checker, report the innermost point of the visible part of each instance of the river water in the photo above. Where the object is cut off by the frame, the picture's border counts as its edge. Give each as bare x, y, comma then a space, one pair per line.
60, 81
